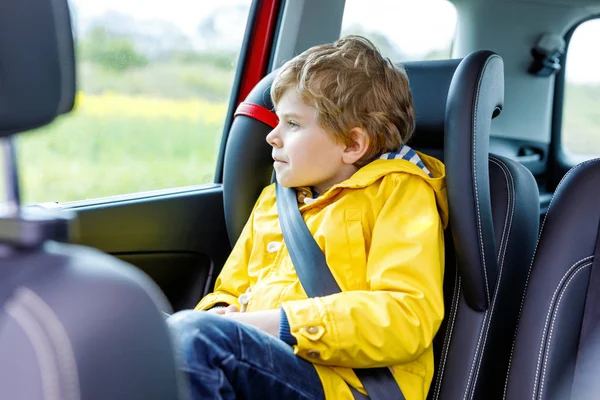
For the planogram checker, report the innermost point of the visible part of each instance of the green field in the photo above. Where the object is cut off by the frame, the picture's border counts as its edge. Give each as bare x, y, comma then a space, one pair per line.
116, 144
581, 119
135, 128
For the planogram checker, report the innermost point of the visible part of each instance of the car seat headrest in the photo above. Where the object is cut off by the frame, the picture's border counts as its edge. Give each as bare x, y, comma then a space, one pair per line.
37, 83
429, 83
475, 97
37, 72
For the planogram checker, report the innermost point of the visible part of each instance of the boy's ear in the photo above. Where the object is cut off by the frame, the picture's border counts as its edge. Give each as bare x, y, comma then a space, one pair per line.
358, 147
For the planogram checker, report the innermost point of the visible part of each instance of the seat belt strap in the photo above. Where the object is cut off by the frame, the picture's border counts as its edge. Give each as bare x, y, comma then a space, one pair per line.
586, 384
257, 112
317, 280
307, 257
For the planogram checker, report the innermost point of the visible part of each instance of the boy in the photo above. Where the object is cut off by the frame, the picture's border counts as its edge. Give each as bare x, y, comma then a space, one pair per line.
375, 207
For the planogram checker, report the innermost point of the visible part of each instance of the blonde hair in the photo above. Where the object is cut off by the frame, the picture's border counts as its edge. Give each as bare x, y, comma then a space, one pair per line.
351, 85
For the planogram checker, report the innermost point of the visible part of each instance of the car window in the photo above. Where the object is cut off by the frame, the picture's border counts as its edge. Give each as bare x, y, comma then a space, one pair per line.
404, 30
154, 81
581, 112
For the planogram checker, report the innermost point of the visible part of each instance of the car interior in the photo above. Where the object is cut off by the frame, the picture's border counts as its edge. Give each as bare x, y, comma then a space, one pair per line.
510, 102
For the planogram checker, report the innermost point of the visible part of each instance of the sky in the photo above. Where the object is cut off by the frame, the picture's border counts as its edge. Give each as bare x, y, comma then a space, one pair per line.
416, 27
185, 13
583, 57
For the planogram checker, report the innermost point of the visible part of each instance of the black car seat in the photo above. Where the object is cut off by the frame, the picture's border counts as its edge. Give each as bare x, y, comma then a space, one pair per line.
75, 324
548, 337
494, 214
494, 211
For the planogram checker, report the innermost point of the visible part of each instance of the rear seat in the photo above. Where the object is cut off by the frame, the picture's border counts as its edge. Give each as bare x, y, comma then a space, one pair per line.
494, 213
545, 348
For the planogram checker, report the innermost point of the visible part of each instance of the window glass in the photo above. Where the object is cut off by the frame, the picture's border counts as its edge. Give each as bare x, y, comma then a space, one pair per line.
581, 113
404, 30
154, 82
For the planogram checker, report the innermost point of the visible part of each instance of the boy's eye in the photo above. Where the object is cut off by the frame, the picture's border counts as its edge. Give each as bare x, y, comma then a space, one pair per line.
293, 124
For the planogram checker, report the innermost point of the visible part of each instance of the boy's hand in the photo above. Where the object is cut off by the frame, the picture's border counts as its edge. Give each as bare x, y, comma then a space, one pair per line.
224, 310
266, 321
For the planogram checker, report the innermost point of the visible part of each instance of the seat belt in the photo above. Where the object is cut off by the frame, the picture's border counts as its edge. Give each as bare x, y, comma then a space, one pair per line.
317, 281
586, 384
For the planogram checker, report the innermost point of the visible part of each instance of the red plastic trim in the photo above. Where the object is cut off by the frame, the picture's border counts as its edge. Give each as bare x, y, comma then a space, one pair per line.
257, 112
260, 46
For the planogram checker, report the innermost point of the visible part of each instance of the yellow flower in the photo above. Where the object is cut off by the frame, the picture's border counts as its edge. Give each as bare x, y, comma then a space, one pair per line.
113, 104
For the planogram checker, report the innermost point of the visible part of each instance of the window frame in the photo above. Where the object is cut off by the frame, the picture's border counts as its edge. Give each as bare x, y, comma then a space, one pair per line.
264, 19
564, 160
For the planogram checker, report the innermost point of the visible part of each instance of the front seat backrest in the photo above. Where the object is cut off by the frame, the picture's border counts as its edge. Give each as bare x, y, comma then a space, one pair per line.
75, 324
547, 339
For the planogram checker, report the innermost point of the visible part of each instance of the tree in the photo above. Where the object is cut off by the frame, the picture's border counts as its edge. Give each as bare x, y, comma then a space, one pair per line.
439, 54
111, 51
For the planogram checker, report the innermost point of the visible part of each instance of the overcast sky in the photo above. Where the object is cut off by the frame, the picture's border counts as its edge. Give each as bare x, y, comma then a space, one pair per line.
416, 27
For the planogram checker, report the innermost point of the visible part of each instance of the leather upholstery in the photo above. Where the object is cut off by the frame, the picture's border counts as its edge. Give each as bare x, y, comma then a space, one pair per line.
37, 55
494, 210
429, 82
473, 345
248, 165
476, 92
545, 348
81, 325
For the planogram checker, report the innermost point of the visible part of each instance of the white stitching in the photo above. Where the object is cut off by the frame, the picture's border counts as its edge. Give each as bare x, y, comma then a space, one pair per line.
41, 346
490, 311
511, 200
529, 272
507, 223
474, 160
549, 342
485, 321
57, 333
481, 244
547, 322
447, 339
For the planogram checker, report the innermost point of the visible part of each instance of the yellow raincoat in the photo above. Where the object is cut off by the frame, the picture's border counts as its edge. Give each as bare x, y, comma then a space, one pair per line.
382, 234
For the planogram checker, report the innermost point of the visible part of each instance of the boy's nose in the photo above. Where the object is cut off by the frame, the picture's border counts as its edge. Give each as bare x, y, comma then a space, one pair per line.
273, 138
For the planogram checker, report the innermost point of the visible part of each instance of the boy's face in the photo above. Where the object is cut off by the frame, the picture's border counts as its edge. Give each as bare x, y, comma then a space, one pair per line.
305, 154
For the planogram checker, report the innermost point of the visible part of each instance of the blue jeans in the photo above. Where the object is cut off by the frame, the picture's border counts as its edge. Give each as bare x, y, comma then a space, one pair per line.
224, 359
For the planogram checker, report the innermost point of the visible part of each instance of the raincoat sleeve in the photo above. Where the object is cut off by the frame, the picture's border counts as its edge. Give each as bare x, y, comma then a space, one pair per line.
396, 320
233, 279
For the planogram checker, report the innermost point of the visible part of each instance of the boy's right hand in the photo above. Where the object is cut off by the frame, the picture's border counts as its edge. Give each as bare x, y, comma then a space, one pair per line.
224, 310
